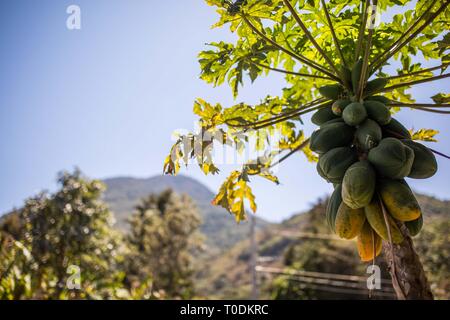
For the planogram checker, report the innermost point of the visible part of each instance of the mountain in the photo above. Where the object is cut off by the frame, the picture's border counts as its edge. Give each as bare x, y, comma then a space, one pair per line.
219, 227
304, 242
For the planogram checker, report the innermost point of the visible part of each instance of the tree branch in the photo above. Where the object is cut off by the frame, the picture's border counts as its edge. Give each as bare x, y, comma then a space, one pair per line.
333, 34
412, 36
417, 72
301, 58
290, 72
364, 71
301, 146
309, 36
411, 83
362, 27
404, 34
422, 105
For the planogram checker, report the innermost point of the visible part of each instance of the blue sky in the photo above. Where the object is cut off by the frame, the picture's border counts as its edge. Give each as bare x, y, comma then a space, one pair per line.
107, 98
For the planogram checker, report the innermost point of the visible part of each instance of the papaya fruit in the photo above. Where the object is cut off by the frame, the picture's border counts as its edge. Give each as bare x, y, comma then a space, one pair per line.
331, 121
395, 129
381, 99
377, 111
335, 163
333, 205
368, 134
331, 91
414, 226
349, 221
354, 114
331, 136
375, 217
369, 243
356, 74
399, 200
323, 115
339, 105
358, 185
425, 164
374, 86
392, 158
346, 76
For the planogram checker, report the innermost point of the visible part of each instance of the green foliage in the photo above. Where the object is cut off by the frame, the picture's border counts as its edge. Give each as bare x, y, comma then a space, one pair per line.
164, 233
314, 45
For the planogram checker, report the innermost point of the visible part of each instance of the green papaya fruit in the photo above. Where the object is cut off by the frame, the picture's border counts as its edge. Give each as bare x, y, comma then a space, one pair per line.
414, 226
378, 111
425, 164
323, 115
368, 134
331, 136
339, 105
392, 158
335, 163
381, 99
331, 91
349, 221
346, 76
375, 216
374, 86
356, 74
332, 121
399, 200
354, 114
333, 205
395, 129
358, 185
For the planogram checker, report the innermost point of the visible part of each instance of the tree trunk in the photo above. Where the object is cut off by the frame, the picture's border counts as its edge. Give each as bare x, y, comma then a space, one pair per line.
408, 277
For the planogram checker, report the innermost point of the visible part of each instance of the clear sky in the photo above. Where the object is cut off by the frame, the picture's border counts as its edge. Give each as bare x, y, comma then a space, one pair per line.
106, 98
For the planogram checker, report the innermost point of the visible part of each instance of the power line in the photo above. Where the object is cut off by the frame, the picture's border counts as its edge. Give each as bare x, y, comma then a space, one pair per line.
318, 278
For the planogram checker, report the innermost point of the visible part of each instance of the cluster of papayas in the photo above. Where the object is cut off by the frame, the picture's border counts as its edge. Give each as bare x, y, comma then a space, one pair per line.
366, 154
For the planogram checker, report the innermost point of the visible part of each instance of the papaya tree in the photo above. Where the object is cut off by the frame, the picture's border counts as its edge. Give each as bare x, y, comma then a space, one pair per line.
354, 72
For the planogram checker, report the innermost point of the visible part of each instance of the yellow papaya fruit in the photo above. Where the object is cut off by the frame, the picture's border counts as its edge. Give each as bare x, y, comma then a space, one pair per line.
375, 217
399, 200
349, 221
368, 240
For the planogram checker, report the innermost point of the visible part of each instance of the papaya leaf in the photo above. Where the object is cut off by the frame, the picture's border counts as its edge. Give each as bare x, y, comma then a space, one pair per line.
424, 135
441, 98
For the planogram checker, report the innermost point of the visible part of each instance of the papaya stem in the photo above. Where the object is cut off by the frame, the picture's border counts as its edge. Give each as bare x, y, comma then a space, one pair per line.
301, 146
333, 34
364, 71
411, 83
439, 153
426, 105
309, 36
289, 72
299, 57
284, 115
362, 27
417, 72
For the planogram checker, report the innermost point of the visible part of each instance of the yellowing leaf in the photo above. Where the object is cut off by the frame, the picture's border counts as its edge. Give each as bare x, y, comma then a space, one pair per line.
424, 135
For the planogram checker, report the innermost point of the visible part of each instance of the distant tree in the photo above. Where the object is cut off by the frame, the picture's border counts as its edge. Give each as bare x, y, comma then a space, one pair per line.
71, 227
164, 234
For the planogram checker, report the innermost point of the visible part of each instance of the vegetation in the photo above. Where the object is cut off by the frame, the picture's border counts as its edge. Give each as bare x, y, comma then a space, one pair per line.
163, 237
64, 246
336, 61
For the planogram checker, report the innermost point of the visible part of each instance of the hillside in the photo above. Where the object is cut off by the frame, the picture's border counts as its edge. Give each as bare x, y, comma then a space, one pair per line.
220, 229
304, 242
